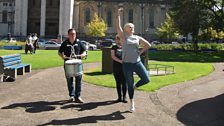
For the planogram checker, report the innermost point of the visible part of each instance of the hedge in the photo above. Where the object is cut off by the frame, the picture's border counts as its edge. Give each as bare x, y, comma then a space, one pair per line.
207, 46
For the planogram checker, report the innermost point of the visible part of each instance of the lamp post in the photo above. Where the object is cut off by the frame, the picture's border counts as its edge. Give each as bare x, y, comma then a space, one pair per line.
163, 9
147, 30
11, 18
99, 5
142, 6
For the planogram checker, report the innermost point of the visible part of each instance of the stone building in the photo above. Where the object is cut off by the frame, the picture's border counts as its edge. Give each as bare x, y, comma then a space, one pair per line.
7, 11
50, 18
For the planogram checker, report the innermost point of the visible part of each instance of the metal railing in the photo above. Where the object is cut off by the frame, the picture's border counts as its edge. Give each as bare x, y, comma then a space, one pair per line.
161, 69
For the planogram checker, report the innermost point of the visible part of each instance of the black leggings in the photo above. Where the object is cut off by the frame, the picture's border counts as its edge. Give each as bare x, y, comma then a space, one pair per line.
120, 83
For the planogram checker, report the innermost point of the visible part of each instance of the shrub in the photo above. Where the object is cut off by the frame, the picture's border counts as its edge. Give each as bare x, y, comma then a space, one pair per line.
18, 43
213, 46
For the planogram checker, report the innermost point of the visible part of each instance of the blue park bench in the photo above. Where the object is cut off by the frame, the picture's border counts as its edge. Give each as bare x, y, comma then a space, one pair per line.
11, 65
12, 47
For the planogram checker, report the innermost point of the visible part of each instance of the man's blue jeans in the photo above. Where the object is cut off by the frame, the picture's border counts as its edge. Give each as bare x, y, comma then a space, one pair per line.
70, 84
140, 70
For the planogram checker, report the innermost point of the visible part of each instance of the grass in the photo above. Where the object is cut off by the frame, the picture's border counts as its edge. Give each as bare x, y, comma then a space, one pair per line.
202, 57
184, 71
188, 66
48, 58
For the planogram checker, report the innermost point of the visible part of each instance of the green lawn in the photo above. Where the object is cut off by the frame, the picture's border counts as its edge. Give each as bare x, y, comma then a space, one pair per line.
184, 71
202, 57
188, 66
48, 58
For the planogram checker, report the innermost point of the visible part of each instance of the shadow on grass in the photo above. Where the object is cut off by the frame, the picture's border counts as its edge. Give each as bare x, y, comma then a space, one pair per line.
88, 119
203, 112
95, 73
203, 57
37, 107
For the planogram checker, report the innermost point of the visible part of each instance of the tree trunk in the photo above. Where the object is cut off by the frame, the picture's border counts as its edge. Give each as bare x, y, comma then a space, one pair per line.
195, 43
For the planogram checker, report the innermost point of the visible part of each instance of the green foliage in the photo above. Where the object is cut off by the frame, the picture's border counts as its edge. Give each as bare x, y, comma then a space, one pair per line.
211, 34
215, 13
190, 15
12, 43
165, 46
97, 27
168, 29
187, 15
213, 46
189, 46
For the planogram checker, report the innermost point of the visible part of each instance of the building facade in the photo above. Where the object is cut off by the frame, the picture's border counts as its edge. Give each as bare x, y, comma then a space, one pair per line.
7, 12
50, 18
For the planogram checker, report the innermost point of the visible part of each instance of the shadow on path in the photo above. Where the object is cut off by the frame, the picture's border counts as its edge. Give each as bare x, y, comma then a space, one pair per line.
206, 112
43, 106
37, 107
88, 119
88, 106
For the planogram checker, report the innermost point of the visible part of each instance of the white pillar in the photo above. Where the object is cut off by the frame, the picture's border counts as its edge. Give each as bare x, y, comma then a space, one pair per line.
21, 12
43, 18
76, 16
66, 16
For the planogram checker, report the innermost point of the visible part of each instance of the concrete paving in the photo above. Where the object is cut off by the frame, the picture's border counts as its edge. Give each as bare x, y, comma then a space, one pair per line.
40, 98
199, 102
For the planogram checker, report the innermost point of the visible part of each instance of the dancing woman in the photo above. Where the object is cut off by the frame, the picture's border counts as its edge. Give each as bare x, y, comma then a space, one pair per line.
131, 57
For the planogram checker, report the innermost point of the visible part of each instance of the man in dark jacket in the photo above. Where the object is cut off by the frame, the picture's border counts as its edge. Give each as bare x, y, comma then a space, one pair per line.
69, 47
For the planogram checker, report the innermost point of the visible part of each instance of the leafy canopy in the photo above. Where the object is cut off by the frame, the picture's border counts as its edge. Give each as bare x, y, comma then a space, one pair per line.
97, 27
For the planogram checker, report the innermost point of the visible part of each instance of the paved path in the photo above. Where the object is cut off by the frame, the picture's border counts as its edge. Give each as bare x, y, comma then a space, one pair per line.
39, 98
199, 102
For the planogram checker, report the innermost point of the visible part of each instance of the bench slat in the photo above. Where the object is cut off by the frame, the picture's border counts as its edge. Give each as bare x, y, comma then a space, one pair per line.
18, 66
11, 59
12, 63
10, 56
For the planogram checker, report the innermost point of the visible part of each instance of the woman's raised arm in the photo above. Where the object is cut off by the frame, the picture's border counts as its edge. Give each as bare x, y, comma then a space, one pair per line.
118, 24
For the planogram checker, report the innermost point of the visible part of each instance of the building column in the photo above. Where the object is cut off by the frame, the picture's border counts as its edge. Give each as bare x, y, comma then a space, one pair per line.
76, 16
43, 18
66, 16
21, 15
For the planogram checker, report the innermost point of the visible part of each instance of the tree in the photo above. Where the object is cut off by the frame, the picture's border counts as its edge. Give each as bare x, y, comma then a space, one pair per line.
189, 17
211, 34
97, 27
168, 29
215, 9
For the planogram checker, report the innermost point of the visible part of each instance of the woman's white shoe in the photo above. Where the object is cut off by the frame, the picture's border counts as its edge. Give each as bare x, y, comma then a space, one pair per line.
132, 106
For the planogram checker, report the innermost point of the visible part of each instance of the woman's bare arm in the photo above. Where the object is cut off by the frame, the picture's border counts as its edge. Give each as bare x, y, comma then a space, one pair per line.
145, 43
118, 25
114, 57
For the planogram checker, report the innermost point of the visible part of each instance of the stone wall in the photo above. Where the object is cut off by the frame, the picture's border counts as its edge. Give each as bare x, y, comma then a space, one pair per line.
141, 22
